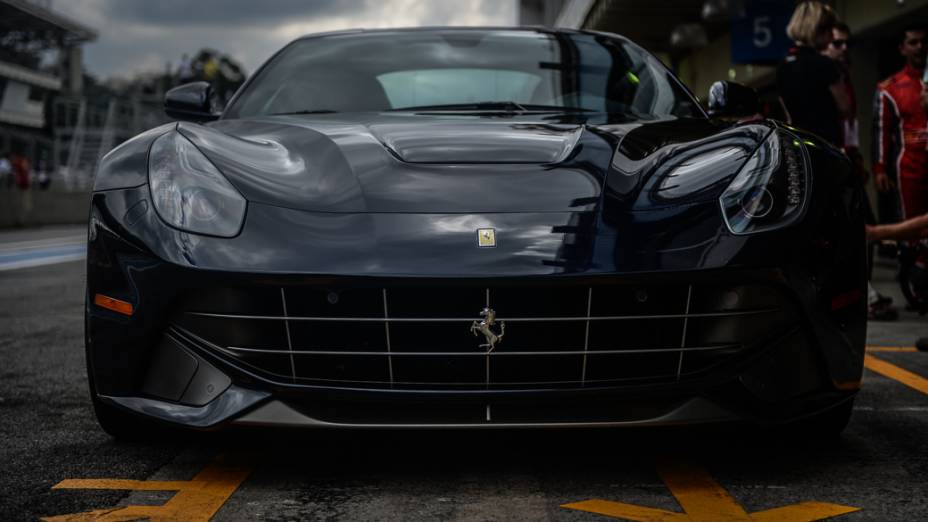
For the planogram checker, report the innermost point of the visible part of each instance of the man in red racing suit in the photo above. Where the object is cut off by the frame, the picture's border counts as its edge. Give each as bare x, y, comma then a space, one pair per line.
901, 134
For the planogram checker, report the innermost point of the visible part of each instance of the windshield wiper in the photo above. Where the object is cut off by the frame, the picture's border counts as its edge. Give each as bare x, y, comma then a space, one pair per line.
305, 111
506, 106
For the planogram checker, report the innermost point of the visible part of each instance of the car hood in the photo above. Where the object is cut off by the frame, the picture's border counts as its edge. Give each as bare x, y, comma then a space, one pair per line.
443, 163
470, 140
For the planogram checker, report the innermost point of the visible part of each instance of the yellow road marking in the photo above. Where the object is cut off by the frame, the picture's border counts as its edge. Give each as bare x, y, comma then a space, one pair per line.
894, 372
704, 500
892, 349
137, 485
701, 498
698, 494
803, 511
196, 500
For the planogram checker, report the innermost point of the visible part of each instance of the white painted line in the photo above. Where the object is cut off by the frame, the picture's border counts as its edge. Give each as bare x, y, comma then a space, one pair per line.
42, 261
42, 243
901, 408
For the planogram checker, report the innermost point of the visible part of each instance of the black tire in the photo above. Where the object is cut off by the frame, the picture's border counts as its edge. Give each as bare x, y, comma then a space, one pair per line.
116, 422
824, 425
123, 425
913, 281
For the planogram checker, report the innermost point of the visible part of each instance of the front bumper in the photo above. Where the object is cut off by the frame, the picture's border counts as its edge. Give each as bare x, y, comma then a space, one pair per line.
807, 360
783, 382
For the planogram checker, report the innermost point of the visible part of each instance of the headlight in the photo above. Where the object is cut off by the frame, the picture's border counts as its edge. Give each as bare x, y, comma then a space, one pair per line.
770, 189
189, 192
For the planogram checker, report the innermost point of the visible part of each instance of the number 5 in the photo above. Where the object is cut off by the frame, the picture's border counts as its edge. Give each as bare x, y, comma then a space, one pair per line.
762, 34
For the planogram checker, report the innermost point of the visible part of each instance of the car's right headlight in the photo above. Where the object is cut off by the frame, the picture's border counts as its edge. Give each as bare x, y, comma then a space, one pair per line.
771, 188
189, 192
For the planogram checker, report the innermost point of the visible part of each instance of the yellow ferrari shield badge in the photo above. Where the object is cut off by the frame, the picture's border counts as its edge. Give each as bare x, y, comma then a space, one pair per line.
486, 237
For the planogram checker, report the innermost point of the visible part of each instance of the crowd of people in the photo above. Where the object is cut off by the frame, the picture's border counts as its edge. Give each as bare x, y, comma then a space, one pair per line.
817, 95
17, 173
220, 70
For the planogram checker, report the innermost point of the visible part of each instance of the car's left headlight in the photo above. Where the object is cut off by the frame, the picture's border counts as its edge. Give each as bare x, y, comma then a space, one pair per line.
189, 192
770, 190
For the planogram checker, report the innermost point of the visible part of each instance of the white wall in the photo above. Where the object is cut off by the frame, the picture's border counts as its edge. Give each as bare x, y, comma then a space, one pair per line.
17, 108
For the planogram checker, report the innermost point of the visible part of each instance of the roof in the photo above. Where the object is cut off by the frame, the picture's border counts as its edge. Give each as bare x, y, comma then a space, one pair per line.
537, 29
29, 76
648, 24
22, 15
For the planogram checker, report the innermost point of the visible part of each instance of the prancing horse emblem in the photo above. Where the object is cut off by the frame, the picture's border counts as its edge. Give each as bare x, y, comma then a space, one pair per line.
486, 328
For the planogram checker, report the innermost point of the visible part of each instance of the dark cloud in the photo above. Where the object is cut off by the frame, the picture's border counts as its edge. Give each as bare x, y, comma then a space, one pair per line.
150, 35
181, 13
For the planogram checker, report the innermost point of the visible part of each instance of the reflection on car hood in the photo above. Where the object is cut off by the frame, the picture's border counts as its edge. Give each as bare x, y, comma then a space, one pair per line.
470, 140
401, 162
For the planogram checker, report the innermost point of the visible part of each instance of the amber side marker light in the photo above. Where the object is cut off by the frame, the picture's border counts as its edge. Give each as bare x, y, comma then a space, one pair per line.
115, 305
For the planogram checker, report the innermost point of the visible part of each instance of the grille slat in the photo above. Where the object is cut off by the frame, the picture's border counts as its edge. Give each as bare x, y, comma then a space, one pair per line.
283, 304
558, 335
487, 378
507, 353
470, 319
689, 299
586, 333
386, 328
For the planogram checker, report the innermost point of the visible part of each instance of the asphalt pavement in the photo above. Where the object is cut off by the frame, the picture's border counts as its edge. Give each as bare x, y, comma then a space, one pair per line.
58, 463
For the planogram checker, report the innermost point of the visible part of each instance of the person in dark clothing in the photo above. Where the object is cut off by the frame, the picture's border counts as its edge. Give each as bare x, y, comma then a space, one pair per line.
22, 172
811, 86
837, 50
880, 307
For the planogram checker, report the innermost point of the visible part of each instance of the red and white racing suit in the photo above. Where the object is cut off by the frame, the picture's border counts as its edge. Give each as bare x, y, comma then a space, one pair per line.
901, 135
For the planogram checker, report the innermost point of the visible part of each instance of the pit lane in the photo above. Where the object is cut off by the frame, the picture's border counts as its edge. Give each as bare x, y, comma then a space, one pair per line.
58, 463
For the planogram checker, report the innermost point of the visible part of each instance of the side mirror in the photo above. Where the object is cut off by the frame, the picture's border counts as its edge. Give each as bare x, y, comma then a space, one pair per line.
190, 102
732, 100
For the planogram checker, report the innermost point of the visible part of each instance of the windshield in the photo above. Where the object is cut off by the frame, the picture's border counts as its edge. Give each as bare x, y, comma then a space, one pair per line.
460, 69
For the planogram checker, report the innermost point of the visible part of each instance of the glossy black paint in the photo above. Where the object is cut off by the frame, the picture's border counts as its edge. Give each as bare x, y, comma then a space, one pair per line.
732, 100
191, 101
232, 402
355, 163
127, 165
312, 213
377, 196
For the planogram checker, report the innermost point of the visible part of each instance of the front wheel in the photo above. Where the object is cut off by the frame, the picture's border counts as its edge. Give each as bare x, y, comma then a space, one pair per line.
913, 278
116, 422
824, 425
122, 425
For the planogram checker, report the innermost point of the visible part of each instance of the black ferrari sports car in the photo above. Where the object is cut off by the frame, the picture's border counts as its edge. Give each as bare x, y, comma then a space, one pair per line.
484, 227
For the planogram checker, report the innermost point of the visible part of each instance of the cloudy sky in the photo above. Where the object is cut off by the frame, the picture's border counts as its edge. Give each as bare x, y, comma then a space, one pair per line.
142, 35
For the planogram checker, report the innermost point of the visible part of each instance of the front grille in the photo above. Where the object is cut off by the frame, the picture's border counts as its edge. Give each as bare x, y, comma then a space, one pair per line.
418, 335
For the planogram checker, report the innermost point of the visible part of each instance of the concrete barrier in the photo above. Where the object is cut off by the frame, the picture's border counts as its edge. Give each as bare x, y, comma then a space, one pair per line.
42, 207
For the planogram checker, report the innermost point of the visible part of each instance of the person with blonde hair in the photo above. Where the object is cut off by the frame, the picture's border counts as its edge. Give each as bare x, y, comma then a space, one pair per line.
811, 25
811, 86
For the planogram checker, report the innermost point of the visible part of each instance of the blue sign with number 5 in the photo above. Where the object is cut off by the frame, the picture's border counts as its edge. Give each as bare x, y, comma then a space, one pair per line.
758, 32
